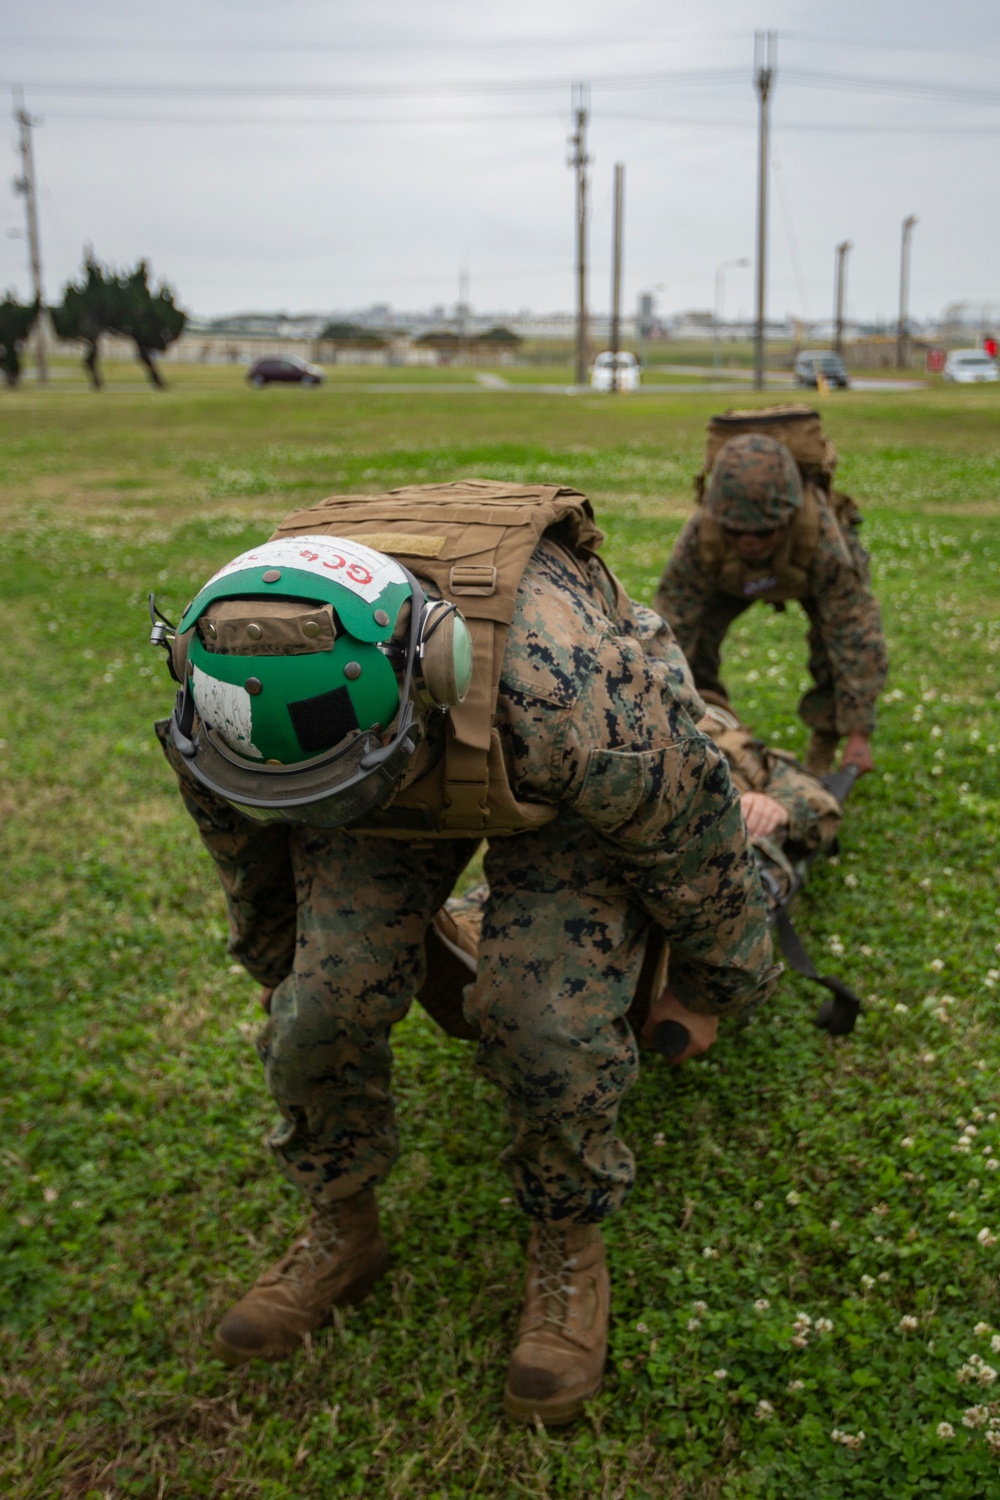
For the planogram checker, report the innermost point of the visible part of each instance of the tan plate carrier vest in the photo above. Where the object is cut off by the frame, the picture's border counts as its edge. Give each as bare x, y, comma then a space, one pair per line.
785, 575
787, 571
471, 540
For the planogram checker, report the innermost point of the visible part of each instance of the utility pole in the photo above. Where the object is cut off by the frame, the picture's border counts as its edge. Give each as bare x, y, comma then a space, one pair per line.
903, 330
463, 313
838, 301
720, 297
616, 270
579, 160
765, 57
25, 184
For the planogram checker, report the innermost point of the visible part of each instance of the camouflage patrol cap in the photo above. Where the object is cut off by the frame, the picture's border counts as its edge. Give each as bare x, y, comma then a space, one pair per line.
754, 485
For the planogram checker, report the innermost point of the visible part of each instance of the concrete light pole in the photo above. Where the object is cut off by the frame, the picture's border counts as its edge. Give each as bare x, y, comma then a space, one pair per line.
903, 330
579, 161
838, 300
765, 58
720, 297
25, 185
616, 270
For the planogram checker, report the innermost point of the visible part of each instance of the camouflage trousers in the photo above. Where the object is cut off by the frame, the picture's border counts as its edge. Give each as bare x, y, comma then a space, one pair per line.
343, 916
559, 959
817, 707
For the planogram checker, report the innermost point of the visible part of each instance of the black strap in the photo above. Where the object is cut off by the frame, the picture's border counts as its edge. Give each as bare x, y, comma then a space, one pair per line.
840, 782
836, 1015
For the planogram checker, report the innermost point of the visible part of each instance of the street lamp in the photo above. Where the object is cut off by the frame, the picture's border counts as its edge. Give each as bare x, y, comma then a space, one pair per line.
720, 294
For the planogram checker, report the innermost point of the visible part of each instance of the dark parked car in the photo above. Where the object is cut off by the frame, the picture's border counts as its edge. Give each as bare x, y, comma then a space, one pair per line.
813, 363
294, 370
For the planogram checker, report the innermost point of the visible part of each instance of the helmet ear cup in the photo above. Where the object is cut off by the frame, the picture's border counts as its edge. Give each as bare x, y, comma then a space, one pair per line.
445, 654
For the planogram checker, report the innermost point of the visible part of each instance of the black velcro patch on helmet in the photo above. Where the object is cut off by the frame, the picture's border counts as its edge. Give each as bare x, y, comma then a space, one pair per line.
323, 721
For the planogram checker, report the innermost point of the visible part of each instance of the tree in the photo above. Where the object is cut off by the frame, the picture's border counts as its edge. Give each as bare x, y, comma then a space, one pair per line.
500, 338
446, 345
87, 311
152, 320
106, 301
16, 322
350, 336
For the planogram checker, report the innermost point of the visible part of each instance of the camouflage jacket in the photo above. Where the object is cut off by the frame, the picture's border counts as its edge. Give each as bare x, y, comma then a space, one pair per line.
596, 713
814, 814
839, 602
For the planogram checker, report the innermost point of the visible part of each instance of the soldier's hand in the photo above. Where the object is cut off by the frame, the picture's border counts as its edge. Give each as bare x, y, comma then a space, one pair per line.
762, 814
858, 752
702, 1030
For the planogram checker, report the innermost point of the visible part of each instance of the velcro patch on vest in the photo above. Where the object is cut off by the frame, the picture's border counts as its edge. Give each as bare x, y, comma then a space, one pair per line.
406, 542
754, 586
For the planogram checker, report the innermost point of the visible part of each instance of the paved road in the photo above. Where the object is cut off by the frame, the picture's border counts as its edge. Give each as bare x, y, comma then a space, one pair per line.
488, 384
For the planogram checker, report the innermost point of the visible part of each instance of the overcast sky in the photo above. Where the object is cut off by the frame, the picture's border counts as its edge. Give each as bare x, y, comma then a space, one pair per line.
329, 154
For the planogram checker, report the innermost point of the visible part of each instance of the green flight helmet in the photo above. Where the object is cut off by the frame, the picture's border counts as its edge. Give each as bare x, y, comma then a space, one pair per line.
308, 667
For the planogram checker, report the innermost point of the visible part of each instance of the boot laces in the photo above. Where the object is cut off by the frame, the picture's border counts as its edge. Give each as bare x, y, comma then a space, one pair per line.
553, 1279
321, 1239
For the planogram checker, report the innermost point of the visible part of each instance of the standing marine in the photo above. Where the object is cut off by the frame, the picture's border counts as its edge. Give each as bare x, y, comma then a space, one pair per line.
364, 698
770, 527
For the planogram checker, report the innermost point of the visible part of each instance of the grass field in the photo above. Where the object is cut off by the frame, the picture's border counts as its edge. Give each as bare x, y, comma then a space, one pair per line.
813, 1247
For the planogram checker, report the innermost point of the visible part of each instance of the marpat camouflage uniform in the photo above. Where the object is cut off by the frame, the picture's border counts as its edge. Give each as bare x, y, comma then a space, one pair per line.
847, 654
814, 814
649, 830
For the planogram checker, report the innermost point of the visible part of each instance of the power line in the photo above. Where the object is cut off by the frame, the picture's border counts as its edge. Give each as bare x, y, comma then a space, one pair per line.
825, 127
789, 227
311, 48
394, 88
896, 45
508, 117
816, 127
459, 88
915, 87
121, 117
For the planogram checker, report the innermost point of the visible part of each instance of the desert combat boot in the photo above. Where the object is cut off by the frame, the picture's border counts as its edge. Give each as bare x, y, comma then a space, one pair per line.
338, 1259
562, 1343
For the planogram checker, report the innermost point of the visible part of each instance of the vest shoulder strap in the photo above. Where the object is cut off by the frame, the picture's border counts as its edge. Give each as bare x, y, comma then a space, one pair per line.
805, 528
471, 540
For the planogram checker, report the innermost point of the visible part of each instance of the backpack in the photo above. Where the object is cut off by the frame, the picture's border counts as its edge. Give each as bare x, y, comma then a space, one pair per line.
800, 428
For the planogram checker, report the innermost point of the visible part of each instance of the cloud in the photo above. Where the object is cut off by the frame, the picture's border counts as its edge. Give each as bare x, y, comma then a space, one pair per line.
441, 140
